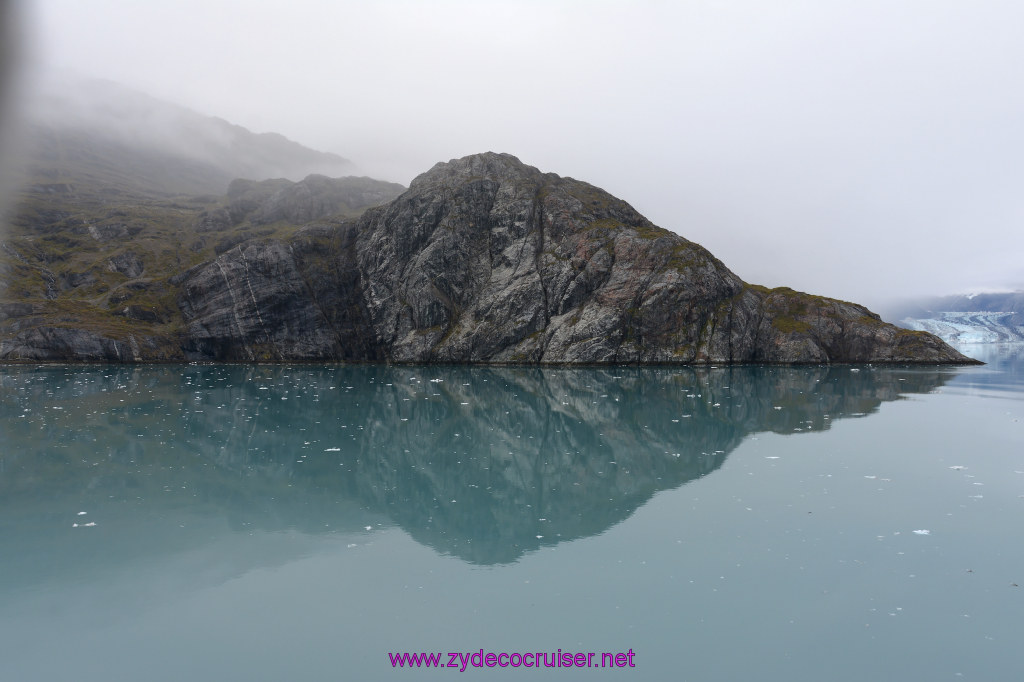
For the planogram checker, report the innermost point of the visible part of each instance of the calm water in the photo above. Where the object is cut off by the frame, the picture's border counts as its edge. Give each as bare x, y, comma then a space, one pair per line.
300, 523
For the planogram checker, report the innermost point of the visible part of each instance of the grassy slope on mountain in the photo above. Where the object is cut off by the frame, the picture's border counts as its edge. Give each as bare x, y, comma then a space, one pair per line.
92, 250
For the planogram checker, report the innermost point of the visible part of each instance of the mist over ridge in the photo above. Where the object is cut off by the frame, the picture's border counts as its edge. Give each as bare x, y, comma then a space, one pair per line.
71, 120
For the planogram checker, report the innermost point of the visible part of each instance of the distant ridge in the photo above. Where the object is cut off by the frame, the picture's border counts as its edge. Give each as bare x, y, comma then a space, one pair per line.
106, 134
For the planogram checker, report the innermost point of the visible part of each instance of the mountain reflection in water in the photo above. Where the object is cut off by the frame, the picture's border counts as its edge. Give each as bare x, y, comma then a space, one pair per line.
484, 464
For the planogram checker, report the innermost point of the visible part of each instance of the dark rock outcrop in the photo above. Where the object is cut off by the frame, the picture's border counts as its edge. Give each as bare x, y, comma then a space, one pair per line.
214, 220
58, 344
485, 259
140, 313
70, 280
127, 263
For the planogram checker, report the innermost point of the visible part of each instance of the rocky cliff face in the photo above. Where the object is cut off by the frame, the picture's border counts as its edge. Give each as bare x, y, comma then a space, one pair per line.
486, 259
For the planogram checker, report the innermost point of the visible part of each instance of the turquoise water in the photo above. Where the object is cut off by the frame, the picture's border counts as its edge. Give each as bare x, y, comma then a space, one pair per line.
301, 523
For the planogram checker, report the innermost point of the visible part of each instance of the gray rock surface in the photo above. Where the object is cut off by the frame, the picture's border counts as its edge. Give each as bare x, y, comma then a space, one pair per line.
104, 233
127, 263
485, 259
57, 344
214, 220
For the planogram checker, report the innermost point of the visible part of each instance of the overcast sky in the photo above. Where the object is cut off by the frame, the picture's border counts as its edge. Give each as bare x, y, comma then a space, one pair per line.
857, 149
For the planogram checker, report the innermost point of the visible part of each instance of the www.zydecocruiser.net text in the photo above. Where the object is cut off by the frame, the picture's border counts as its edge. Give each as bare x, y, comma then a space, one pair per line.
461, 660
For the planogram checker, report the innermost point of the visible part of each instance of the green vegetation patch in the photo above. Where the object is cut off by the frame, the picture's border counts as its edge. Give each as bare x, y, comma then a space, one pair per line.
593, 197
790, 325
687, 256
652, 231
603, 224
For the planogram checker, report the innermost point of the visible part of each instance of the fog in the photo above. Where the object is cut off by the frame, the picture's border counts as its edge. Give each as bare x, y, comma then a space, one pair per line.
67, 104
857, 149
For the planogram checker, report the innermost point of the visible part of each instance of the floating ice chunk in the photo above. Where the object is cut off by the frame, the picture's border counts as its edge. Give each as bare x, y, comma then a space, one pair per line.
922, 532
772, 457
957, 467
872, 477
82, 513
332, 450
371, 528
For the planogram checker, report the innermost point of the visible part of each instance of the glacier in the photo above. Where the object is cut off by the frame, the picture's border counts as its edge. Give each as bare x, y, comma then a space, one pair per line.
969, 327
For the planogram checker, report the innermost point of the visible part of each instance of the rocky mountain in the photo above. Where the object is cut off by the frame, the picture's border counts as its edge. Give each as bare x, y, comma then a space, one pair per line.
486, 259
483, 260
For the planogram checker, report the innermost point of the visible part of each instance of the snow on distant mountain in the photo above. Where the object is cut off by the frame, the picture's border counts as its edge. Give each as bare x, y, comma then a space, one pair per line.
972, 318
969, 327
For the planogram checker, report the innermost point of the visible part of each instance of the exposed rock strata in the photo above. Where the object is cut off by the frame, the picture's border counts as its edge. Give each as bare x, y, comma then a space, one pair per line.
486, 259
58, 344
